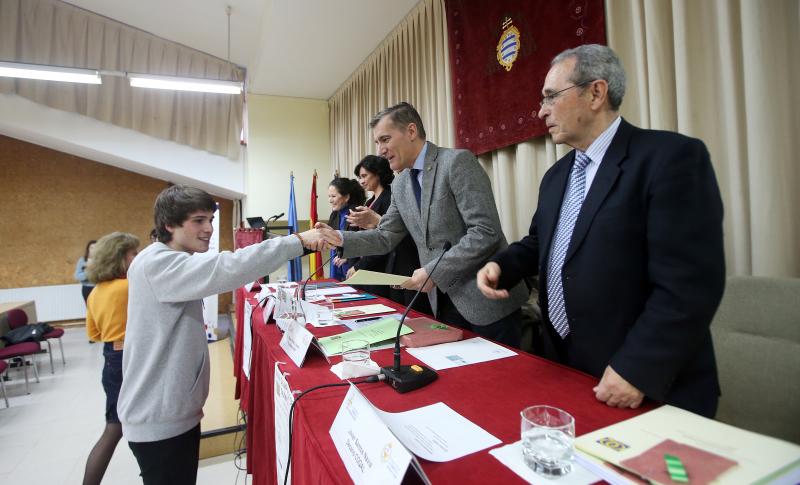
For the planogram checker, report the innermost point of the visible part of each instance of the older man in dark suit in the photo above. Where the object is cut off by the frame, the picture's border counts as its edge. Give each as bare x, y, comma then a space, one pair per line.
627, 240
440, 196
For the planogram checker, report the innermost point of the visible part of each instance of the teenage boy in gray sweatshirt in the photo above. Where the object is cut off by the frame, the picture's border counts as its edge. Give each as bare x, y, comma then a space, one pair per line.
165, 364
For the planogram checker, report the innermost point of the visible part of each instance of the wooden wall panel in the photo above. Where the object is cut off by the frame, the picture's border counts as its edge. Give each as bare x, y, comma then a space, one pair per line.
52, 203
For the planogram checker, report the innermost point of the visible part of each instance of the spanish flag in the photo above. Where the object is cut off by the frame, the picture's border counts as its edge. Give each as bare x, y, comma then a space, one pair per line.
315, 260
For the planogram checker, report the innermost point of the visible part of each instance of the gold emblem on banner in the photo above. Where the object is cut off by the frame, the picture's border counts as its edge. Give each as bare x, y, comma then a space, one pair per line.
508, 46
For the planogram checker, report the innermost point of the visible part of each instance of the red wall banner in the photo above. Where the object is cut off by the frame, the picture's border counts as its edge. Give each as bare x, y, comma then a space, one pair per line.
500, 52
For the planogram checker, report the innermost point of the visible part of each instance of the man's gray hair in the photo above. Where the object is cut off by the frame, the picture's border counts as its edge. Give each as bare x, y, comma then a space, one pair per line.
401, 115
595, 61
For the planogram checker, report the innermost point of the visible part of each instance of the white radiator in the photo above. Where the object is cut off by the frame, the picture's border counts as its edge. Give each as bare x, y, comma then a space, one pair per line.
53, 303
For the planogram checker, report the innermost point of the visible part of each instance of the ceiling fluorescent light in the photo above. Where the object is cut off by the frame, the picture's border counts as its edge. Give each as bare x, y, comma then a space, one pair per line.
49, 73
185, 84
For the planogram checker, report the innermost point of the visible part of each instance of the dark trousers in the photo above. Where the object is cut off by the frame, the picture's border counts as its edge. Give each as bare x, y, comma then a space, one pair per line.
506, 330
112, 380
172, 461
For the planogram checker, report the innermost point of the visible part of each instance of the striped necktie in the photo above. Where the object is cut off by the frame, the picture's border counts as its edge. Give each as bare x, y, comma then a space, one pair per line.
570, 208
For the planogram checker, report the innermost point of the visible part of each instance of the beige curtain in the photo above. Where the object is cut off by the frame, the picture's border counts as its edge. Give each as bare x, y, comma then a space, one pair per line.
724, 71
56, 33
412, 64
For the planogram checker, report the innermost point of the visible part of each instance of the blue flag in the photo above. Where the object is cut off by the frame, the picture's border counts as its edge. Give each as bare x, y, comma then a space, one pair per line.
295, 266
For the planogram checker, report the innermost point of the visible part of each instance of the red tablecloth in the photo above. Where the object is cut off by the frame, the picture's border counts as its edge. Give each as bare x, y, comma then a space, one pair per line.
490, 394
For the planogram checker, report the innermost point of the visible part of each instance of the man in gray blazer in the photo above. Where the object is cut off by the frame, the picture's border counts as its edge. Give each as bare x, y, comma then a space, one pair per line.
439, 196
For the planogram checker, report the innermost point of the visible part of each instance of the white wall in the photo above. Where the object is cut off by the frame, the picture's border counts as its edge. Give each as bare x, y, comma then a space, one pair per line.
127, 149
285, 135
53, 303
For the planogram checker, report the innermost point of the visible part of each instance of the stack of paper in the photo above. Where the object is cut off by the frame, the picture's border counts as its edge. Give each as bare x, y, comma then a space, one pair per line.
511, 456
377, 447
458, 354
712, 452
362, 310
350, 297
376, 334
327, 291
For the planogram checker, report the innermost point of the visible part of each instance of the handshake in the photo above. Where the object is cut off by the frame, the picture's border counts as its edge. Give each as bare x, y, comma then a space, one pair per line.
320, 238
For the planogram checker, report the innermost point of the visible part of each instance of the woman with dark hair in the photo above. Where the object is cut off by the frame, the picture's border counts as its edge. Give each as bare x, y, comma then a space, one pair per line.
80, 270
106, 320
343, 195
375, 176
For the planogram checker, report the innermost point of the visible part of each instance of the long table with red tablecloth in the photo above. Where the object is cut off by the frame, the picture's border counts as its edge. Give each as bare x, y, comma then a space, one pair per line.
490, 394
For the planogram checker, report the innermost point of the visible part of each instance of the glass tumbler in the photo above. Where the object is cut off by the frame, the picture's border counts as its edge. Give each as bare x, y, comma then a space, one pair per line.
355, 351
547, 440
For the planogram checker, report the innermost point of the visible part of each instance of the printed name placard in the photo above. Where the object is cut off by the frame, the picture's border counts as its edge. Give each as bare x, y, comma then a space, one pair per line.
370, 451
295, 342
247, 337
283, 399
247, 341
268, 309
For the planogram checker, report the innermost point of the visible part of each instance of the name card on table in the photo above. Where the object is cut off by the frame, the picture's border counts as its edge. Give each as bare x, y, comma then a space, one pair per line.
297, 340
283, 403
283, 323
269, 308
369, 450
247, 337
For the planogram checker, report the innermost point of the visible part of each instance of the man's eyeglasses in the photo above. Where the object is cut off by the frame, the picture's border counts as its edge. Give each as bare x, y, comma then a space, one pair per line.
551, 98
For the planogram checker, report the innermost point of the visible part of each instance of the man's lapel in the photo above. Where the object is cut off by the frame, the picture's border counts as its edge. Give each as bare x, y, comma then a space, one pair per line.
428, 177
604, 180
550, 205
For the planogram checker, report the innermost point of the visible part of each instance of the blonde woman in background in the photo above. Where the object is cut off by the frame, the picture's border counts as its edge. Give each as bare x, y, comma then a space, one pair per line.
106, 318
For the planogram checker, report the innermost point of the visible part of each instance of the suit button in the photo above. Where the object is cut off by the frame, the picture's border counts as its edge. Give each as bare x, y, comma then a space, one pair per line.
430, 249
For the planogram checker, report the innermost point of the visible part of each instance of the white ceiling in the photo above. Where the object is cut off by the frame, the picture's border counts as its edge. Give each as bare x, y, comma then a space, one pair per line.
301, 48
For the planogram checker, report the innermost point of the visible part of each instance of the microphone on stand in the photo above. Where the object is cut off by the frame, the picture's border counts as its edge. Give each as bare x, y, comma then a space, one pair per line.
302, 294
404, 378
275, 217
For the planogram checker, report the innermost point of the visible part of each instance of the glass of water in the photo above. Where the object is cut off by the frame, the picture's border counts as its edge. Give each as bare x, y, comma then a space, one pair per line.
355, 352
547, 440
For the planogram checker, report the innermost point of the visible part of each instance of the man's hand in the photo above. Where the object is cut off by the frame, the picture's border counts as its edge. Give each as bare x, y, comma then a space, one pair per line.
416, 280
339, 261
313, 240
351, 272
488, 277
331, 236
364, 217
616, 391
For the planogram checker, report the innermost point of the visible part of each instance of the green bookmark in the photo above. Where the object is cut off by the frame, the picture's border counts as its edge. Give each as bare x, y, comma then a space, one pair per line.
676, 470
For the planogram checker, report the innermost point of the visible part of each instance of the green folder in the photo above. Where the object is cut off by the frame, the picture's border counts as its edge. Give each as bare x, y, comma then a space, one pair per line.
380, 332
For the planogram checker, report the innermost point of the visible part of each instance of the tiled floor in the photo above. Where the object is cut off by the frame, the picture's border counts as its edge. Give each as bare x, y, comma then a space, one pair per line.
46, 436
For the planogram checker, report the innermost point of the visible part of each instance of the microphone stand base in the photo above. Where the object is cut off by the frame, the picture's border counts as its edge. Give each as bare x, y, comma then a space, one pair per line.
408, 377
